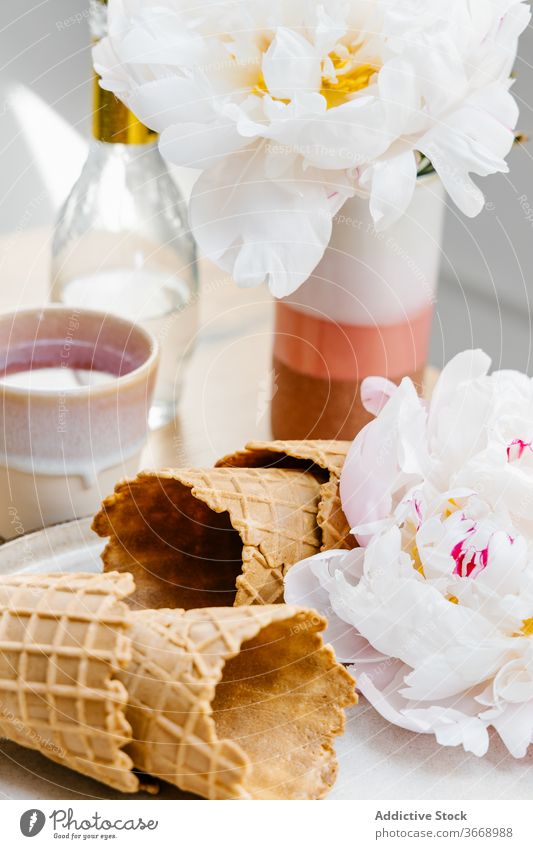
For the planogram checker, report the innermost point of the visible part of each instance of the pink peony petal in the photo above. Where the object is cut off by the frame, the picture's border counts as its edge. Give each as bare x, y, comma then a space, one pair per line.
376, 392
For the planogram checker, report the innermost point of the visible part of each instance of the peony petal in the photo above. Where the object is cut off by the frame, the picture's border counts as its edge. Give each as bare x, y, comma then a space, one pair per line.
347, 136
291, 64
399, 89
253, 227
391, 183
459, 409
515, 727
373, 473
376, 392
201, 145
388, 703
306, 585
471, 140
107, 64
156, 37
172, 100
456, 664
496, 54
449, 647
453, 728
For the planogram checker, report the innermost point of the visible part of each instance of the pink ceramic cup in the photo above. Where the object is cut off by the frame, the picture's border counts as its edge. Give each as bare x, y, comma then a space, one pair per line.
66, 440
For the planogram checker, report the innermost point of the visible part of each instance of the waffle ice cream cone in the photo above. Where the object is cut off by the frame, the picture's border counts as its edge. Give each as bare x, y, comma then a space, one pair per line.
327, 454
310, 455
236, 703
225, 702
214, 537
331, 520
62, 643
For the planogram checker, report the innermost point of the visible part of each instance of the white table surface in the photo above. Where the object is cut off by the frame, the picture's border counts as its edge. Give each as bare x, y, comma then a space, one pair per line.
222, 408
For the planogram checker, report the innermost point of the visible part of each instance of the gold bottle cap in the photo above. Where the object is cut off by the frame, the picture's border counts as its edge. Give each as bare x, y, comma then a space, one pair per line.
113, 122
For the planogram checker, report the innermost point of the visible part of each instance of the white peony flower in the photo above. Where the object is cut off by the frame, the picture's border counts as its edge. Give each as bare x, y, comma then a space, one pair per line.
289, 108
435, 610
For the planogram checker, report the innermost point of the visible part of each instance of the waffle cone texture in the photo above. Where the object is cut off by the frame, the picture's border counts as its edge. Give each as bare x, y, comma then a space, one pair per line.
308, 455
226, 703
62, 641
214, 537
228, 535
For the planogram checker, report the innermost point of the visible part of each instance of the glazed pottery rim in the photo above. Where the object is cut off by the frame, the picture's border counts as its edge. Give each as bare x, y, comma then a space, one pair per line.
118, 381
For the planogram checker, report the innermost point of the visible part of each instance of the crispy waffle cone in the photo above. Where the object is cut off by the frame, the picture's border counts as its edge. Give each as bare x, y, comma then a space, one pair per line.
327, 454
310, 455
236, 703
224, 702
331, 519
62, 642
198, 538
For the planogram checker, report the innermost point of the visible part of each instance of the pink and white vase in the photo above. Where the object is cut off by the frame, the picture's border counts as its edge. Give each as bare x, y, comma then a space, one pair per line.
366, 310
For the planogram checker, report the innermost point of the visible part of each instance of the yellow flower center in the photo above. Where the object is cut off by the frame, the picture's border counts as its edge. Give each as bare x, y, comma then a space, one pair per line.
452, 509
348, 78
526, 630
417, 563
261, 88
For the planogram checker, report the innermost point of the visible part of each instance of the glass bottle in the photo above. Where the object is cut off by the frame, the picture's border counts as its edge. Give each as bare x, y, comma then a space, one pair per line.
122, 242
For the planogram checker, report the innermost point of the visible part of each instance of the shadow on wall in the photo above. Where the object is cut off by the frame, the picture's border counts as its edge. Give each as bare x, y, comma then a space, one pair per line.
44, 106
42, 157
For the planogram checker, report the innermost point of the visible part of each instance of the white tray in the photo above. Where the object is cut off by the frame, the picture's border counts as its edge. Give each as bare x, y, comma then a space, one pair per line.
377, 760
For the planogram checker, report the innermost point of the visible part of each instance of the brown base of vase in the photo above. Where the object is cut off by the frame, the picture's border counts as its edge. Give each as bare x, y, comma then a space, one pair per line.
305, 407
